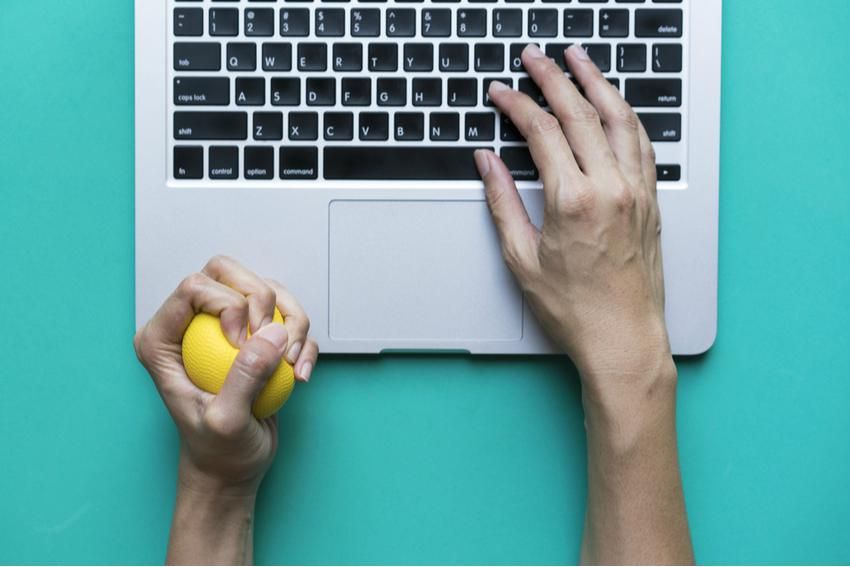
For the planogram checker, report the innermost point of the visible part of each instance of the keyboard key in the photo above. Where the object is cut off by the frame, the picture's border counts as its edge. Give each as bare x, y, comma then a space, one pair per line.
480, 126
600, 54
662, 127
383, 57
294, 22
374, 126
339, 126
210, 125
508, 131
486, 86
427, 92
224, 162
658, 23
399, 162
299, 163
472, 23
401, 22
529, 87
259, 22
515, 57
490, 57
250, 91
409, 126
202, 91
507, 22
667, 58
519, 163
555, 51
613, 23
392, 92
241, 57
543, 23
631, 58
268, 126
188, 21
668, 172
330, 22
356, 91
365, 22
312, 56
286, 91
259, 163
445, 127
454, 57
462, 92
418, 57
321, 92
188, 162
224, 21
654, 92
277, 57
303, 126
348, 57
197, 57
578, 23
436, 22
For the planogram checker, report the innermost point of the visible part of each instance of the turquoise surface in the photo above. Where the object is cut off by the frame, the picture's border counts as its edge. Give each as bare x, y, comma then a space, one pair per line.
438, 459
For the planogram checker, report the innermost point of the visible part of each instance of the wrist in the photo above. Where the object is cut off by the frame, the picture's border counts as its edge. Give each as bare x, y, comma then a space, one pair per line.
205, 485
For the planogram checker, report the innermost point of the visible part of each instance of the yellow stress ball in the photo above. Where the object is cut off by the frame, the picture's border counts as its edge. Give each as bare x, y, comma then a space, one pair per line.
207, 357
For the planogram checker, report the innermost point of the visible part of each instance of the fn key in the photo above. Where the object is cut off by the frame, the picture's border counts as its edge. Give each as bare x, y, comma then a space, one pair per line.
188, 162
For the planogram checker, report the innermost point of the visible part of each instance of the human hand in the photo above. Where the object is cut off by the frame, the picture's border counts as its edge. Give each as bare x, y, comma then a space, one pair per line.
592, 274
223, 447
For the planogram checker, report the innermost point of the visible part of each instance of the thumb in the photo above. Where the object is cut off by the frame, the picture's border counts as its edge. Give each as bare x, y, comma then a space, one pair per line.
254, 364
516, 232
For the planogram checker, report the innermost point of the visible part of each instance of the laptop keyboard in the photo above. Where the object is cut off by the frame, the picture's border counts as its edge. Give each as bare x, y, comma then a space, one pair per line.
361, 90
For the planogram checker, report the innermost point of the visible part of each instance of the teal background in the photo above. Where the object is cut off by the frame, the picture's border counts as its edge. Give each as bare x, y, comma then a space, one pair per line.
437, 459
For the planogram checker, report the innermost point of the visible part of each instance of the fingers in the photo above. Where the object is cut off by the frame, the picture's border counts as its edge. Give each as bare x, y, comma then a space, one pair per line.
297, 322
261, 297
619, 121
306, 361
255, 363
516, 232
647, 157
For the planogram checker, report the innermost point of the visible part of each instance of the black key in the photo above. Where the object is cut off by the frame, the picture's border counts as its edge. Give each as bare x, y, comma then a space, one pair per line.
490, 57
555, 51
578, 23
613, 23
241, 57
454, 57
330, 22
600, 54
409, 126
312, 56
654, 92
299, 163
339, 126
543, 23
401, 22
356, 91
224, 21
188, 21
436, 22
202, 91
631, 58
515, 55
259, 163
418, 57
383, 57
321, 92
392, 92
294, 22
519, 163
668, 172
210, 125
250, 91
666, 58
462, 92
508, 131
507, 22
277, 57
197, 56
268, 126
400, 162
188, 162
303, 126
445, 127
487, 81
259, 22
286, 91
480, 126
658, 23
427, 92
662, 127
224, 162
374, 126
529, 87
347, 57
472, 23
365, 22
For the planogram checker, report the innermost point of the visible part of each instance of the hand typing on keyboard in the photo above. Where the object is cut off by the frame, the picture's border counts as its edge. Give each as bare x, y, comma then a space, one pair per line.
593, 276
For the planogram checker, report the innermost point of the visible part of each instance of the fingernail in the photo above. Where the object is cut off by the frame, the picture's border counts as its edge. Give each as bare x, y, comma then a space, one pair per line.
275, 333
579, 51
498, 86
482, 162
306, 370
533, 51
294, 351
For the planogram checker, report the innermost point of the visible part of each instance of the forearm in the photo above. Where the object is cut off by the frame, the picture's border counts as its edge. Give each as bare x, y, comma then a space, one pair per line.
211, 525
635, 508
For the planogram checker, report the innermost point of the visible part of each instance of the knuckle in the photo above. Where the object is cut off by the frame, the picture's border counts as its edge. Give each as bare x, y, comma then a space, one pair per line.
256, 359
582, 113
623, 116
267, 296
191, 284
543, 123
579, 202
217, 263
140, 344
624, 198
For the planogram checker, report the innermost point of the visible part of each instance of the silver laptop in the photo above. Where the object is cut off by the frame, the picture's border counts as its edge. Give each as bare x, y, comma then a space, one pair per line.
328, 144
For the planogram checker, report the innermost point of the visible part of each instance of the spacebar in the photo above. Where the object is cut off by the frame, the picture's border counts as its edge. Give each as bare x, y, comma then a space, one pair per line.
400, 163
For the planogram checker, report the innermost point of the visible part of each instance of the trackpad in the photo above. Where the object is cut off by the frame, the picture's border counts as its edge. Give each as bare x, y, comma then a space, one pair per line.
426, 271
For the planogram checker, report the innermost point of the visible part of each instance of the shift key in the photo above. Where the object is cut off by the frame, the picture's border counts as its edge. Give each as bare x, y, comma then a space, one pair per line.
210, 125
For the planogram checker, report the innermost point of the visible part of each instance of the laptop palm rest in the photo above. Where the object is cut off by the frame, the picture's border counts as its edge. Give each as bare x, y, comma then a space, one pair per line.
399, 274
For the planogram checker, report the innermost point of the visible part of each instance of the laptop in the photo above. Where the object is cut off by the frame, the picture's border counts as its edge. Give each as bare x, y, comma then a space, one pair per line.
328, 144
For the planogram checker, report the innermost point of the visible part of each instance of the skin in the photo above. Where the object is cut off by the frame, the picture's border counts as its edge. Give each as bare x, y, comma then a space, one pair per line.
593, 276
